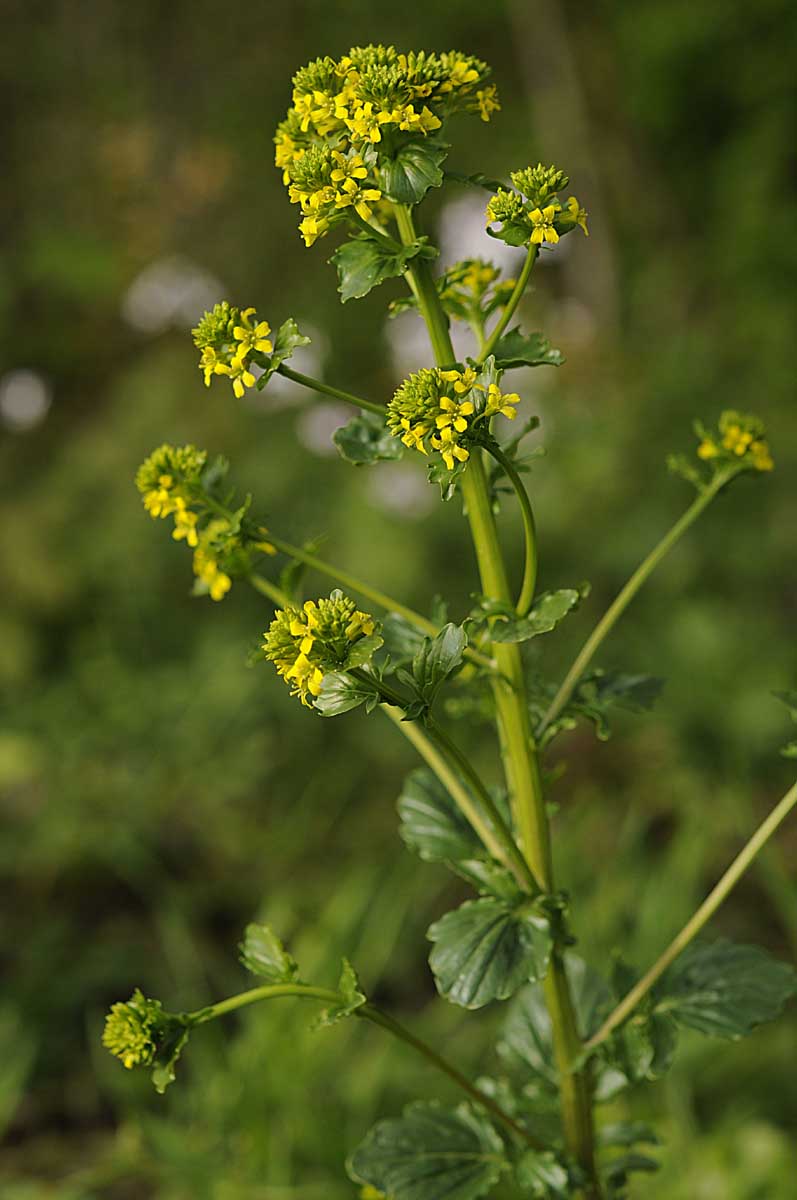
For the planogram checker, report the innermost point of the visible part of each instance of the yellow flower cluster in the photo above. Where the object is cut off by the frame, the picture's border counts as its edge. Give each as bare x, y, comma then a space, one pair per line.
740, 439
441, 410
171, 484
533, 213
228, 338
350, 115
304, 643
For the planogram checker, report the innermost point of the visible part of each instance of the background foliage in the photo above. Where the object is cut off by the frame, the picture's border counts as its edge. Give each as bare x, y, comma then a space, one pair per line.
155, 793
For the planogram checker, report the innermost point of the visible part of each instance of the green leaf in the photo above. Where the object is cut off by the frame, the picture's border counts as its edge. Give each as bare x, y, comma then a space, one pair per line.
514, 233
615, 1173
262, 953
407, 178
643, 1048
445, 477
627, 1133
527, 1041
517, 349
402, 639
431, 823
366, 439
430, 1153
540, 1174
287, 339
351, 998
486, 949
172, 1037
364, 262
725, 990
363, 650
340, 693
437, 658
544, 615
600, 690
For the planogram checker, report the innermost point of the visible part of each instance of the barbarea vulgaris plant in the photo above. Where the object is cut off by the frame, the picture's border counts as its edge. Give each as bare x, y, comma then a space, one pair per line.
363, 142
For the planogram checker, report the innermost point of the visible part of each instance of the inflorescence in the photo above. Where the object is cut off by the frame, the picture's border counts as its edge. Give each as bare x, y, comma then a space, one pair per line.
305, 643
349, 116
739, 440
447, 411
533, 212
228, 337
173, 482
131, 1030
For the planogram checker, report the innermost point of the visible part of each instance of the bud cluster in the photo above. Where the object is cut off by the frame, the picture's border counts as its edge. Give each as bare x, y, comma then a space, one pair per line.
533, 213
131, 1030
172, 483
441, 410
349, 116
228, 337
738, 440
305, 643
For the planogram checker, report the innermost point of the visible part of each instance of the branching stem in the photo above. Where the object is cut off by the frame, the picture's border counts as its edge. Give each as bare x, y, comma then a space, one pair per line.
529, 531
368, 1012
514, 300
327, 390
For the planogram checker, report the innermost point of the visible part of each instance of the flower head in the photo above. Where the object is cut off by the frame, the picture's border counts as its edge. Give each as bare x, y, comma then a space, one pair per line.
131, 1030
305, 643
446, 411
168, 478
739, 441
230, 338
533, 213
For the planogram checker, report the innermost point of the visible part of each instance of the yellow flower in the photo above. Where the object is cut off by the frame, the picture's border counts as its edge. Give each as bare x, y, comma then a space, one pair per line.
543, 220
312, 228
251, 337
761, 457
499, 402
578, 214
448, 447
304, 643
707, 449
425, 121
185, 525
454, 414
487, 101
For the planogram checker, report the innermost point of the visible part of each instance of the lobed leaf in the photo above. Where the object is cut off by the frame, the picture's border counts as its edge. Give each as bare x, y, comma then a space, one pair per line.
415, 169
430, 1153
351, 998
262, 953
340, 693
363, 262
724, 989
518, 349
431, 823
487, 949
437, 658
365, 439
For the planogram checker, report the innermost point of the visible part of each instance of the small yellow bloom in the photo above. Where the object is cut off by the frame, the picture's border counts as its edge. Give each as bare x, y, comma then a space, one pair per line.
487, 100
312, 228
185, 525
448, 447
707, 449
543, 220
252, 337
578, 214
761, 457
500, 402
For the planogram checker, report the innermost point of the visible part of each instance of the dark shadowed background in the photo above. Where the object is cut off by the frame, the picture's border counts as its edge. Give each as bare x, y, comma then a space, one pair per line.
156, 793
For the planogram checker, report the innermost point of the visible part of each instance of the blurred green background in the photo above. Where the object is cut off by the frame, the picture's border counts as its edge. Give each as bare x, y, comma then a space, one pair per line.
156, 793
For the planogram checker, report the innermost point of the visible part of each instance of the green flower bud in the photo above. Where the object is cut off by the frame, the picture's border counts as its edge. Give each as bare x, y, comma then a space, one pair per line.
215, 328
539, 183
131, 1029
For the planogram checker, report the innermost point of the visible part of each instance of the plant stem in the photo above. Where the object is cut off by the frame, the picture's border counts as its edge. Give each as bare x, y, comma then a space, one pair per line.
624, 598
529, 531
327, 390
450, 766
518, 749
514, 300
371, 593
269, 589
368, 1012
380, 1018
699, 919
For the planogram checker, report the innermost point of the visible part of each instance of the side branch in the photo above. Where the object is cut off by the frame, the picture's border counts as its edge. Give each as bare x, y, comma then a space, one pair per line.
700, 918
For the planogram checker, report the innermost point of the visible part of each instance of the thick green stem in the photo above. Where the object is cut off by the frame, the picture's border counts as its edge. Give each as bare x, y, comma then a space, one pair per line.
529, 531
367, 1012
624, 598
514, 300
518, 749
326, 390
696, 922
